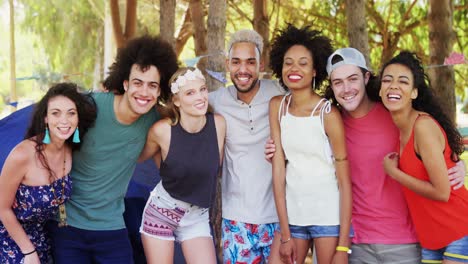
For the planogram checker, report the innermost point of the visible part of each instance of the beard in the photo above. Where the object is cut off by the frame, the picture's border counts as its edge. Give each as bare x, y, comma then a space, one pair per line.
248, 89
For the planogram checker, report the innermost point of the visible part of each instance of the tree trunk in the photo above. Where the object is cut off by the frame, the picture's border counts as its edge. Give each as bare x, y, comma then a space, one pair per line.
441, 39
167, 20
216, 62
122, 37
199, 35
357, 26
130, 19
216, 34
261, 24
109, 44
13, 96
184, 33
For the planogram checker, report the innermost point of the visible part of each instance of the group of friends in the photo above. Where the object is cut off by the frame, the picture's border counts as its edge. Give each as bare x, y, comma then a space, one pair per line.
369, 173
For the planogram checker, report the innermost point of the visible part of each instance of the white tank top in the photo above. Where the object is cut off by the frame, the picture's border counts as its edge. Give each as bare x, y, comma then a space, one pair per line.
312, 196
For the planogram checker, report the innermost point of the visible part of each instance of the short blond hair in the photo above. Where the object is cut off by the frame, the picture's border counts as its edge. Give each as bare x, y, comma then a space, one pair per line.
246, 35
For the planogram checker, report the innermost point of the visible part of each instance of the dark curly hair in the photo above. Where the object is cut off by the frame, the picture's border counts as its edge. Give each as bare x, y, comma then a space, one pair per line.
145, 51
85, 107
426, 101
319, 46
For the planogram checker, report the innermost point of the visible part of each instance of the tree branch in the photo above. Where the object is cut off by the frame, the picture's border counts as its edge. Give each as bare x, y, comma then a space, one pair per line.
116, 26
130, 19
239, 11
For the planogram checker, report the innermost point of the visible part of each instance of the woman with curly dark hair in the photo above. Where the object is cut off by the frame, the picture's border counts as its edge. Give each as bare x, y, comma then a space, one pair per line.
312, 190
35, 175
429, 144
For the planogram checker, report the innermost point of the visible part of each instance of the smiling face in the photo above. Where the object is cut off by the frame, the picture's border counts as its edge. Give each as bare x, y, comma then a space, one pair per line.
349, 87
142, 89
298, 68
244, 66
397, 87
62, 118
192, 98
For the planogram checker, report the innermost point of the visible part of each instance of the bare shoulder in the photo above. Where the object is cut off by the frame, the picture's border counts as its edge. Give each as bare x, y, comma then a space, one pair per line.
22, 154
425, 120
161, 126
219, 120
425, 126
275, 101
334, 113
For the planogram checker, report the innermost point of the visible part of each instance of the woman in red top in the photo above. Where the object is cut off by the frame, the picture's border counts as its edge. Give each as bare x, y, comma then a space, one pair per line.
429, 144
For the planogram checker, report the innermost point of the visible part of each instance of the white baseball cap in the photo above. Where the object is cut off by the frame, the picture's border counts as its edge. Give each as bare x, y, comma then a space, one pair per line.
349, 56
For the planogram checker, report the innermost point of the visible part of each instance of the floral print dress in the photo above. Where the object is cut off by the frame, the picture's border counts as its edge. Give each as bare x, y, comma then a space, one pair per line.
35, 205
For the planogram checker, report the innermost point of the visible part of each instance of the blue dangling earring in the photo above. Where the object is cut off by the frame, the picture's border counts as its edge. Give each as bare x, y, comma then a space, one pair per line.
46, 139
76, 136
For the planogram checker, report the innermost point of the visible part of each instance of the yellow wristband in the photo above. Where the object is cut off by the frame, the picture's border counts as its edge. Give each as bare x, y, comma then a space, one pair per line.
344, 249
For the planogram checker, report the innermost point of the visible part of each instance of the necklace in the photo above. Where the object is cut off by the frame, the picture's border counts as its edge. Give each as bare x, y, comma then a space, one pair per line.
61, 200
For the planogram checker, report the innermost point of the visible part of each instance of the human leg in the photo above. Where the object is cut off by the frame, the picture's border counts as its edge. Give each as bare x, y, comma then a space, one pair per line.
69, 244
157, 250
161, 217
111, 246
301, 237
199, 250
325, 248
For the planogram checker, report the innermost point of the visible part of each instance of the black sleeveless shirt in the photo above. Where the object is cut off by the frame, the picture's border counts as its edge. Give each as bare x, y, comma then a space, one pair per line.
192, 164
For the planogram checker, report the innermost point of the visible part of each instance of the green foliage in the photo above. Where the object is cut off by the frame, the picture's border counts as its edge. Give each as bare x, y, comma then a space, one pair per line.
69, 32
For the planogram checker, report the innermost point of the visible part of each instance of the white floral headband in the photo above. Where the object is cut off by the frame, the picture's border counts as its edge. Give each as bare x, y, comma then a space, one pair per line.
182, 79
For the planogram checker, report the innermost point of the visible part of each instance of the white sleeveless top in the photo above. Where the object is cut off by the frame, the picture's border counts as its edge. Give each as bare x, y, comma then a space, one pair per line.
312, 196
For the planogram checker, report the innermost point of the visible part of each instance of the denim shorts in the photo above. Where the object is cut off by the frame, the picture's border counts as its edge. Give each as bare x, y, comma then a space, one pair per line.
315, 231
167, 218
455, 251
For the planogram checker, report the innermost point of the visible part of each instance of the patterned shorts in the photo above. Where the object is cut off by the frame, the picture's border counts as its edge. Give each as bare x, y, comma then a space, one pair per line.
247, 243
170, 219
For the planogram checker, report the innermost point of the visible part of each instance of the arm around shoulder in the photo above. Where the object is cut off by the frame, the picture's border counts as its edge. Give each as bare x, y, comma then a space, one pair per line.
220, 124
156, 134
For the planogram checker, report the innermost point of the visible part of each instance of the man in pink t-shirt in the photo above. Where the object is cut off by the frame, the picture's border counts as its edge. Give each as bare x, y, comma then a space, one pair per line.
384, 232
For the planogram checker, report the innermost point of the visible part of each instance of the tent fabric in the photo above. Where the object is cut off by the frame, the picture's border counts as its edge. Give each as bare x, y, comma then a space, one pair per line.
12, 131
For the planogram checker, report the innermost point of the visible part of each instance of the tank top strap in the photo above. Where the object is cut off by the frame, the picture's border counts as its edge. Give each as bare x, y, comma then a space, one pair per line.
282, 111
324, 107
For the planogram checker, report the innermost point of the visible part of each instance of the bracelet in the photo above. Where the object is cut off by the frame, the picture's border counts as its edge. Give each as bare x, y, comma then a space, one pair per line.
29, 253
285, 241
343, 249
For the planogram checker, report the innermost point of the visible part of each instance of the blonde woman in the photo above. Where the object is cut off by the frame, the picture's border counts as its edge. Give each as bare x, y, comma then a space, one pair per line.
190, 143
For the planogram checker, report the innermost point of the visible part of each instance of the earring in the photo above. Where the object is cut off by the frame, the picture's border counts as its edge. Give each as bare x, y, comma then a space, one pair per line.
46, 139
76, 136
313, 85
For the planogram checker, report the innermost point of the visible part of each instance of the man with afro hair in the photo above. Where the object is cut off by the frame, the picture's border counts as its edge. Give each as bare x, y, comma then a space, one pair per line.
102, 168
